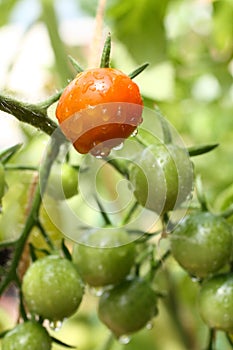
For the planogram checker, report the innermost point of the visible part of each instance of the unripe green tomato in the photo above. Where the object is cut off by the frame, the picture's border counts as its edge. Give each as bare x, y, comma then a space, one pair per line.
62, 182
202, 243
27, 336
52, 288
106, 258
162, 177
127, 307
215, 302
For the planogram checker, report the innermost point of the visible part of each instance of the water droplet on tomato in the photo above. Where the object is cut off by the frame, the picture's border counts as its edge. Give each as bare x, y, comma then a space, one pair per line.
96, 291
119, 147
149, 325
134, 133
55, 325
124, 339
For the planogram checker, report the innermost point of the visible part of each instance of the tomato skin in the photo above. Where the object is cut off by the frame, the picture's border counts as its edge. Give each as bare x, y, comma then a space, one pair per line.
127, 307
52, 288
202, 243
107, 257
215, 302
100, 105
27, 336
162, 177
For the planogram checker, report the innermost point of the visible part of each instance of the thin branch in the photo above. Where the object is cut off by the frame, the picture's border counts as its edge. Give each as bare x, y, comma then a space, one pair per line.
32, 218
28, 113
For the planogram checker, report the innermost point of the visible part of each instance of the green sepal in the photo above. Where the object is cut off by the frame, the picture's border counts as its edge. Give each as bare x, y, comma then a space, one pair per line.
9, 152
65, 250
105, 58
138, 70
75, 64
198, 150
59, 342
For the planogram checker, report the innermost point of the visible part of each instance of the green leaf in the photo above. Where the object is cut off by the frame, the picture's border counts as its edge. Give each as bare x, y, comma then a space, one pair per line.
65, 250
138, 70
9, 152
198, 150
6, 8
139, 25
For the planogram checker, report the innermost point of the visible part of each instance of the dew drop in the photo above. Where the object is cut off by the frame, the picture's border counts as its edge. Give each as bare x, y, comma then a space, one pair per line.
119, 147
134, 133
55, 325
124, 339
195, 279
96, 291
149, 325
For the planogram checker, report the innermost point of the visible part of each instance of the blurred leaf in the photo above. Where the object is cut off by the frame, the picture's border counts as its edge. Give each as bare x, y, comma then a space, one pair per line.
139, 25
6, 7
222, 30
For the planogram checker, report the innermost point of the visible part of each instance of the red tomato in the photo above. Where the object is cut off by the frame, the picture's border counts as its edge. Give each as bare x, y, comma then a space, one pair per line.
99, 109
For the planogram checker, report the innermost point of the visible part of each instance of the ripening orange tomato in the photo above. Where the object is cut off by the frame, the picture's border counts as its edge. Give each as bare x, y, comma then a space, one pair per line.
99, 109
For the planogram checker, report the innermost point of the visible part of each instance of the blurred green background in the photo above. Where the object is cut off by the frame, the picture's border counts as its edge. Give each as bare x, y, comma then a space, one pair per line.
189, 46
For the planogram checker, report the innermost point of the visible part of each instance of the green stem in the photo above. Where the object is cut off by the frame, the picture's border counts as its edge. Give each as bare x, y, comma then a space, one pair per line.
200, 194
75, 64
130, 213
201, 149
50, 20
212, 338
32, 218
28, 113
109, 342
12, 167
45, 235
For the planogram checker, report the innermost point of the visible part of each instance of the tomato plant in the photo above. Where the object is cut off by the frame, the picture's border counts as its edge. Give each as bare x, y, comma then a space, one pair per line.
145, 264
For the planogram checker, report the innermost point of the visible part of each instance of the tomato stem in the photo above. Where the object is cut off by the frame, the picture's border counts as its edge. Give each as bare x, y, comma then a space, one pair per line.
212, 340
105, 58
32, 219
200, 194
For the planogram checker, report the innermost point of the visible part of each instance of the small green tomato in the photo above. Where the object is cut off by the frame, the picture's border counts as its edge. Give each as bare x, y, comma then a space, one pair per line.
27, 336
106, 258
52, 288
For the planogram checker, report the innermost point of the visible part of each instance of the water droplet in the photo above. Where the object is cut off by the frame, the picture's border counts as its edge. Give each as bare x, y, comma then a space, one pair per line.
124, 339
55, 325
119, 111
149, 325
119, 147
195, 279
96, 291
134, 133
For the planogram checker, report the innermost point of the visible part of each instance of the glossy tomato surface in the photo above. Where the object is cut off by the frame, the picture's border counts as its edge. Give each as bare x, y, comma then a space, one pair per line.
99, 109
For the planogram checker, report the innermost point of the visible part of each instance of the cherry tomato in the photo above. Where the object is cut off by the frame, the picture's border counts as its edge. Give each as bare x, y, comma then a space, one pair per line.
107, 257
202, 243
215, 302
128, 307
27, 336
52, 288
99, 109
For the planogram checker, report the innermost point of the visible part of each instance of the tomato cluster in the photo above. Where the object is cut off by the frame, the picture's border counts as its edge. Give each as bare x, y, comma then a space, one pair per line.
98, 110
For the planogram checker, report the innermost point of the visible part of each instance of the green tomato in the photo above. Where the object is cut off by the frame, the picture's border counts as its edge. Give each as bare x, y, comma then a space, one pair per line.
27, 336
202, 243
127, 307
52, 288
62, 182
162, 177
106, 258
215, 301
